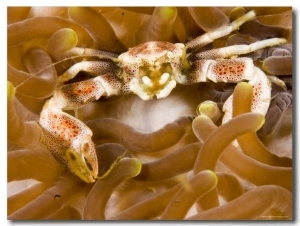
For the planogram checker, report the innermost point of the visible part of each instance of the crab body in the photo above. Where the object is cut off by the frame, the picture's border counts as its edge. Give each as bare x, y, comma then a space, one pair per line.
150, 70
154, 68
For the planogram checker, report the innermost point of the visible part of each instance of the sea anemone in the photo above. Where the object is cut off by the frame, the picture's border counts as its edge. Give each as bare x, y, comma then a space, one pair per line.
180, 162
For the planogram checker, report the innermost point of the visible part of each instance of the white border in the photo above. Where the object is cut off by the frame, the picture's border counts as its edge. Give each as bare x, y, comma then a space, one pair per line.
152, 3
3, 60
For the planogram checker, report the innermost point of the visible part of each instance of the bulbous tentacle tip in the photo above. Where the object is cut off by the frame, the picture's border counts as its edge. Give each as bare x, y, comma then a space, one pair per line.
136, 166
10, 90
134, 170
61, 41
210, 109
278, 65
167, 13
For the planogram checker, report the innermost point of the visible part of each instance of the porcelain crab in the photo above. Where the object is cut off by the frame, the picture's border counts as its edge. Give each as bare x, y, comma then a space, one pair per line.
149, 70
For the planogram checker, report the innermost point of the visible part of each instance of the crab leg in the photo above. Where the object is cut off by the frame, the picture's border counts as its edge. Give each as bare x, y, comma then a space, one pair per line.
233, 70
92, 67
210, 36
261, 96
75, 95
227, 70
66, 137
235, 50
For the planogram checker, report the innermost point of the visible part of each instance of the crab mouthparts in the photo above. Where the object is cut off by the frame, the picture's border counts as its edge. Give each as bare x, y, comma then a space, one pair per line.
153, 82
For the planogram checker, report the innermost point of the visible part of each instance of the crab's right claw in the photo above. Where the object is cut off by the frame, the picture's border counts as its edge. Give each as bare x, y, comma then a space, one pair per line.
70, 142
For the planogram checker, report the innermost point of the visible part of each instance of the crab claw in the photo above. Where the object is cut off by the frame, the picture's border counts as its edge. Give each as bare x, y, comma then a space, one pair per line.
70, 142
83, 164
